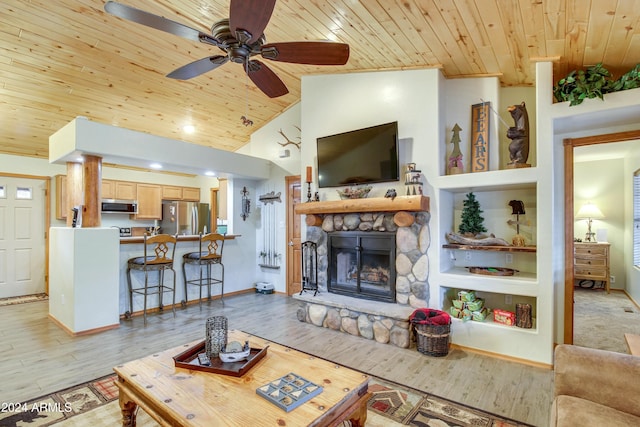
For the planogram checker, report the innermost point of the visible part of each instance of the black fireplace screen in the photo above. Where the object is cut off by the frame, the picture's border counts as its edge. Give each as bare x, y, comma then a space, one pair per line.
362, 265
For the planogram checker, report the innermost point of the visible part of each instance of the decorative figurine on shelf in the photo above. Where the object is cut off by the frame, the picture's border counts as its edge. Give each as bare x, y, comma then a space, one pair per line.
391, 194
412, 179
517, 209
519, 136
455, 159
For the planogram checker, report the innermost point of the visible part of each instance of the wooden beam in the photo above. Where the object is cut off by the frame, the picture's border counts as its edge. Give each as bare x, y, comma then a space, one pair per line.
374, 204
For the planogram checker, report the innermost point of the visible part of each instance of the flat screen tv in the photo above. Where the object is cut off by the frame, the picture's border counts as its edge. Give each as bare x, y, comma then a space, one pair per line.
361, 156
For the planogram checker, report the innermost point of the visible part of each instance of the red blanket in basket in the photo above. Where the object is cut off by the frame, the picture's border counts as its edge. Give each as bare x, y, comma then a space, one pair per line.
429, 316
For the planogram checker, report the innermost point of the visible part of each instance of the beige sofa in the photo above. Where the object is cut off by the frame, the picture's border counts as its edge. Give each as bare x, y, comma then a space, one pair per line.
595, 388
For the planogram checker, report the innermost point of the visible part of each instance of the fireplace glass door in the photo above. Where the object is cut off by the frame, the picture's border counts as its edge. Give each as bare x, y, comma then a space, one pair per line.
362, 265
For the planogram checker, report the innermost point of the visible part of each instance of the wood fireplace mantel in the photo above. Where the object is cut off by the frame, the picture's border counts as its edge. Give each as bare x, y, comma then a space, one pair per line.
373, 204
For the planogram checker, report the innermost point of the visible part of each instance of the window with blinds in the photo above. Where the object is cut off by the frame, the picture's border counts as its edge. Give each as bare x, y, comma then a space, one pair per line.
636, 218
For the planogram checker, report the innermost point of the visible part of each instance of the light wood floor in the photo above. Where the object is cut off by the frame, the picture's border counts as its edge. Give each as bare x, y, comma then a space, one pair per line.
37, 357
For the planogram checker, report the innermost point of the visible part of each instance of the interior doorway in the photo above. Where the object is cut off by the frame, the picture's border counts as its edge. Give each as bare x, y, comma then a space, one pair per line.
569, 145
24, 231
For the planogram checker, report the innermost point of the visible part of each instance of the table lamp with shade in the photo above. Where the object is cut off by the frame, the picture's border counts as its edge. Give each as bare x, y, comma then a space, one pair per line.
589, 211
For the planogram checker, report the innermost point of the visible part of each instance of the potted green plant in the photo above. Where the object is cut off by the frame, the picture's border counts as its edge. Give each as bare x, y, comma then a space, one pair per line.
578, 85
629, 80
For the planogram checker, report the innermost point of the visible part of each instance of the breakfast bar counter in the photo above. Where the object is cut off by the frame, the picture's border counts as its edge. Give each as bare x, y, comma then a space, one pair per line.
181, 238
131, 247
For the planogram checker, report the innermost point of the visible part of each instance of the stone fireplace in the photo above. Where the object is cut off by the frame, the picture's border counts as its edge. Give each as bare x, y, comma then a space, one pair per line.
372, 265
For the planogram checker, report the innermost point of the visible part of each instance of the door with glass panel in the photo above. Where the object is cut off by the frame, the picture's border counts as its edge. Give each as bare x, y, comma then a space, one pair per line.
22, 236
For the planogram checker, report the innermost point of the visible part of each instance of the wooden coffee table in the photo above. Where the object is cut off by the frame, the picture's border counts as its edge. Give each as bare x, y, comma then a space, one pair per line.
184, 397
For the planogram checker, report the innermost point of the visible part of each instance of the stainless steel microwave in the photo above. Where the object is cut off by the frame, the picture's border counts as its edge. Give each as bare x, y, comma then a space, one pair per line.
119, 206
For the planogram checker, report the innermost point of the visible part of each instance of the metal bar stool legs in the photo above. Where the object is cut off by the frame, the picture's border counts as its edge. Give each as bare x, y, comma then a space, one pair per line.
209, 255
163, 249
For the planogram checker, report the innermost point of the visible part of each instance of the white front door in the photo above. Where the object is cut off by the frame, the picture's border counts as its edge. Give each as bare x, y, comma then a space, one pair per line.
22, 242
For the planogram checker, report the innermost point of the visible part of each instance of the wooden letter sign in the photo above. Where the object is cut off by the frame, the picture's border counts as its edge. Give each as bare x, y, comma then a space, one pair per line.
480, 137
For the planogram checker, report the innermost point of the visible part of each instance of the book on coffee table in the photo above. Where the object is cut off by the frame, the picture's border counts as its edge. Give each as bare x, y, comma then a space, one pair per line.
289, 392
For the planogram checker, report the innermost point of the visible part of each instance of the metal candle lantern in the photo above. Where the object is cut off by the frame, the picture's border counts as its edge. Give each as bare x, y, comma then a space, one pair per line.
216, 335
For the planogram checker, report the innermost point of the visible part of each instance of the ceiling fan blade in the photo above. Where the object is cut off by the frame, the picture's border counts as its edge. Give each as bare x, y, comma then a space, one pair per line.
307, 52
198, 67
251, 16
158, 22
266, 80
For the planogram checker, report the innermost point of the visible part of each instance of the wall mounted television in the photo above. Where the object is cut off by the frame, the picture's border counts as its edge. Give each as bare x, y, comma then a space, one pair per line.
362, 156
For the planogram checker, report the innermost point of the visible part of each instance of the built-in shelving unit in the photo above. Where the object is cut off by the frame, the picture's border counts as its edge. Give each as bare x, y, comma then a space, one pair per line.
493, 190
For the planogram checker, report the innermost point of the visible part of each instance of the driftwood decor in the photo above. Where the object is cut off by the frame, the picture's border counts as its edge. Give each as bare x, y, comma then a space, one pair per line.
456, 238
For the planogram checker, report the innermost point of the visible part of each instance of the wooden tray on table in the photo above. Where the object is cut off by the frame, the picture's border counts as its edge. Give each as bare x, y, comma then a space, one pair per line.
188, 359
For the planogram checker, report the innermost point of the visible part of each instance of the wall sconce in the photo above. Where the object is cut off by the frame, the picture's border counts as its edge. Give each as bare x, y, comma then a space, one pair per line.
246, 204
589, 211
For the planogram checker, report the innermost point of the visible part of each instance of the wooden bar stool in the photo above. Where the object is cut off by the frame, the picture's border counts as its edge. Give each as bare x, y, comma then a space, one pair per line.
158, 256
210, 254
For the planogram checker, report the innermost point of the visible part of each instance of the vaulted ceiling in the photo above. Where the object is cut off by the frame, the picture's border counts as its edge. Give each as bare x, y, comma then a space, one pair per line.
66, 58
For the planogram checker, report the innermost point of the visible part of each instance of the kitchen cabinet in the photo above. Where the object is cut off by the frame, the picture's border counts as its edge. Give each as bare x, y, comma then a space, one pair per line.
191, 194
62, 209
171, 192
174, 192
119, 190
149, 198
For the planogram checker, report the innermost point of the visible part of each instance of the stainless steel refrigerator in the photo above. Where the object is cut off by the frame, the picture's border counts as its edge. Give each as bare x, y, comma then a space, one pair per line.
184, 218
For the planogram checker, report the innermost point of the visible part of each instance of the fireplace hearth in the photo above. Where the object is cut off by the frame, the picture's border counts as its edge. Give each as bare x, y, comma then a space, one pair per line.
362, 265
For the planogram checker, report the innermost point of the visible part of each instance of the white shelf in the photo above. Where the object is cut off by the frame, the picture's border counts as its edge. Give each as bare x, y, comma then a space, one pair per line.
521, 284
490, 323
506, 179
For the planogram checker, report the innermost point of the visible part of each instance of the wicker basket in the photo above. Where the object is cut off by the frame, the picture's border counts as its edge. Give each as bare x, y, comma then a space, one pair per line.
432, 340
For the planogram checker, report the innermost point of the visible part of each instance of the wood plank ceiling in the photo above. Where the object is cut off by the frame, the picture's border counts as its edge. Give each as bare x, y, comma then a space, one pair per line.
66, 58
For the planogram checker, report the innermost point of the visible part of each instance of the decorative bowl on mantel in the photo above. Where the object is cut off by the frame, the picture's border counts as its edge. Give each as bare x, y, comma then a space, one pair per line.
354, 192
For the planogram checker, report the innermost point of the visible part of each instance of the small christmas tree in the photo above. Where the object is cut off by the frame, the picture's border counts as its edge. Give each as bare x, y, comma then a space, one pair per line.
471, 218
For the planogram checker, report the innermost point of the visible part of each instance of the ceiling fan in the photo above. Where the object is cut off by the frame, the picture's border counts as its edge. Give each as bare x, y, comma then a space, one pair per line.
240, 38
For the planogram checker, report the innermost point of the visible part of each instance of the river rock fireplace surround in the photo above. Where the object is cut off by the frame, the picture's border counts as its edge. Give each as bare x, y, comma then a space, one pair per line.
381, 314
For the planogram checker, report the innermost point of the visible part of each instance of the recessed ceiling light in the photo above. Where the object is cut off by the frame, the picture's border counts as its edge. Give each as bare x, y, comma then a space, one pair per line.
155, 166
209, 173
189, 128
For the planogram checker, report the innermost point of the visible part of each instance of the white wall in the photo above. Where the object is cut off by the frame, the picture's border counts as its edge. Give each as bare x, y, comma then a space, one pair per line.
458, 97
343, 102
265, 143
600, 182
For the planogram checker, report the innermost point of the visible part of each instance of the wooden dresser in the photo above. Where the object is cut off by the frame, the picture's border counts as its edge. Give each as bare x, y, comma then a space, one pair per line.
591, 262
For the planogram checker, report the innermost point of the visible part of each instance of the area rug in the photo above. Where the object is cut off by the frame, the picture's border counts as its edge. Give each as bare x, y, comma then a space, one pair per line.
22, 299
95, 404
